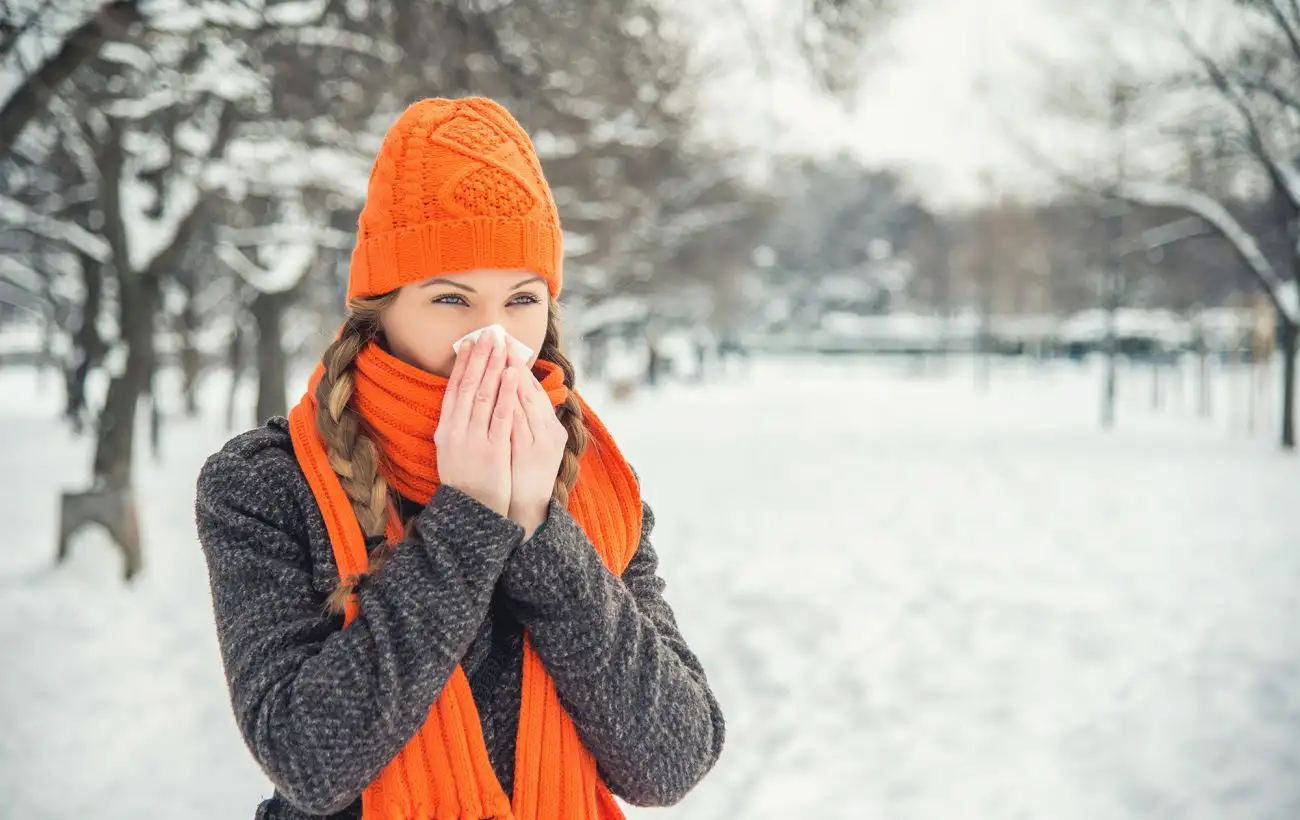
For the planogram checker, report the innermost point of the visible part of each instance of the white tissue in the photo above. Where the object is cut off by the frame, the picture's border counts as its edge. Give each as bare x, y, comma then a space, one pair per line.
500, 336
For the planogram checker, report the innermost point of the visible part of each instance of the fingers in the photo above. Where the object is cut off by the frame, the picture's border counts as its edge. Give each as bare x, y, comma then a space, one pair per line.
538, 411
522, 433
532, 394
505, 412
471, 378
485, 395
452, 394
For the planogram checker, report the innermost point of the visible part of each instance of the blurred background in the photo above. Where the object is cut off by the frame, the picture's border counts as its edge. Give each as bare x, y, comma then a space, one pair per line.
954, 343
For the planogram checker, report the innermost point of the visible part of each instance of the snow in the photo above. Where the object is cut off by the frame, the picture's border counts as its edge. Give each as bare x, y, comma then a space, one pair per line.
1160, 194
1166, 326
289, 232
285, 164
288, 264
296, 14
1290, 299
15, 213
126, 54
1028, 327
225, 74
577, 244
20, 274
21, 338
611, 311
149, 237
51, 24
344, 41
898, 331
913, 600
550, 146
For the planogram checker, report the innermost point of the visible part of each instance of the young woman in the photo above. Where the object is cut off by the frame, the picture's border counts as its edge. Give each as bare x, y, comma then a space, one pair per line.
434, 590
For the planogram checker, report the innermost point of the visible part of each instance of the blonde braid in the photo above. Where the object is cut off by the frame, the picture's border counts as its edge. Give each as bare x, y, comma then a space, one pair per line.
352, 453
569, 412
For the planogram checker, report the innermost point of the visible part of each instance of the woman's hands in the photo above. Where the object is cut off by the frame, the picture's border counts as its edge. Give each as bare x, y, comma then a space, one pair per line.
499, 440
479, 411
537, 441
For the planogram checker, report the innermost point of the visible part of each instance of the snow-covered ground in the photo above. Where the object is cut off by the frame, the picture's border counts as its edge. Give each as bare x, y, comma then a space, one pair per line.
914, 601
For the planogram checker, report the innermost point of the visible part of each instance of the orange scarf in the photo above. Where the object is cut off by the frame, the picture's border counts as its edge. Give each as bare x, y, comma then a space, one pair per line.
444, 773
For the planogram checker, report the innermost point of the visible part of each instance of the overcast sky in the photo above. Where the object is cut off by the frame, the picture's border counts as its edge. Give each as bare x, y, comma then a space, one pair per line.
921, 106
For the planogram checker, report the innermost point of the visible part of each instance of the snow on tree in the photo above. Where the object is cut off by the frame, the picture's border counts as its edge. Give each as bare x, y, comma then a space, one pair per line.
1221, 99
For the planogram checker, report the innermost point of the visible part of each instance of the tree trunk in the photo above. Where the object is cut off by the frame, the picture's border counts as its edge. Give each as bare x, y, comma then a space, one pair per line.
1203, 402
189, 355
235, 362
110, 500
1114, 216
155, 416
88, 346
268, 314
1289, 334
1112, 354
116, 436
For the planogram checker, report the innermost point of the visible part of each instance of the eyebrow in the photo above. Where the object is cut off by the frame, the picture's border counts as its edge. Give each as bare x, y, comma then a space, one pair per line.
439, 281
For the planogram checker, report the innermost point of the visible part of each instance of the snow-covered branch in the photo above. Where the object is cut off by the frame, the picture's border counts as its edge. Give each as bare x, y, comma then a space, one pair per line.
1167, 234
1159, 194
289, 264
272, 165
1273, 10
683, 228
18, 275
319, 235
149, 237
344, 41
16, 214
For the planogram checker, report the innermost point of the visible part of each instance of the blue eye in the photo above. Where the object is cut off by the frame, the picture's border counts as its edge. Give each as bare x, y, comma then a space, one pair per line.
525, 299
449, 299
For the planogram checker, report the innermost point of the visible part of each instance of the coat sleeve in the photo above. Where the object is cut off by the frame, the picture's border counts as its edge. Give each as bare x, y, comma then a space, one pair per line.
637, 694
321, 707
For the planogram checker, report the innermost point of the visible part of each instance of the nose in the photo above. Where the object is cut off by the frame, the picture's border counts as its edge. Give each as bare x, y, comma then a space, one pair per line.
489, 315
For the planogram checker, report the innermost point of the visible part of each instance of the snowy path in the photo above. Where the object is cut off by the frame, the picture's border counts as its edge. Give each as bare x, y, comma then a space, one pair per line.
913, 602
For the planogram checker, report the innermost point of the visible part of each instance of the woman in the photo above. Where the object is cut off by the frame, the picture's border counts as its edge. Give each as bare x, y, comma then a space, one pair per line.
433, 584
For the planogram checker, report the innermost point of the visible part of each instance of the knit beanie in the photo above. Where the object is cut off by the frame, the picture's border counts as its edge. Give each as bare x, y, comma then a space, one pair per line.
456, 186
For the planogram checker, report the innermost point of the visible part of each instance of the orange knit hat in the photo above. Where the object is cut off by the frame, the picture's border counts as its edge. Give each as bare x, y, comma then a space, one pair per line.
456, 186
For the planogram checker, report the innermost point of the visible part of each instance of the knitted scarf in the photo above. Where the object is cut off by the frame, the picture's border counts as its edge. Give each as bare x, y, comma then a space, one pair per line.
443, 773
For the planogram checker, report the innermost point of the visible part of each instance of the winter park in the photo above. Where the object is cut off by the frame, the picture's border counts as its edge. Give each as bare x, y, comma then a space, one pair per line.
953, 345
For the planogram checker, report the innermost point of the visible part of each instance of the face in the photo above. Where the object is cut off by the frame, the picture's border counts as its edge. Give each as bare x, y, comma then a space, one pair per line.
426, 317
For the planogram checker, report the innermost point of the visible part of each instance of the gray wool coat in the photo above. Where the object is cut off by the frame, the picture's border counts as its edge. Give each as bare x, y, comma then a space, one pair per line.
323, 708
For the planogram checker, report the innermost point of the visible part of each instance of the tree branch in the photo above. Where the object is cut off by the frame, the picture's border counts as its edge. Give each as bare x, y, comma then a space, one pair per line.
1157, 194
1273, 10
283, 277
1271, 89
74, 236
12, 36
319, 235
1283, 176
80, 46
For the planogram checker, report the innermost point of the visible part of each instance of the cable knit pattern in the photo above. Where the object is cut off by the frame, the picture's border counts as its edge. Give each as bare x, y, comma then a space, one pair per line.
323, 707
456, 186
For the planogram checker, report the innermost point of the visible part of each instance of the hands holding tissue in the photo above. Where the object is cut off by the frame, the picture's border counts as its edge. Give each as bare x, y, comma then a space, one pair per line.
498, 437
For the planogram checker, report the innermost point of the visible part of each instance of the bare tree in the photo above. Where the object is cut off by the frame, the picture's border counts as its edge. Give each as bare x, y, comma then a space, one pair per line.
36, 86
1230, 107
